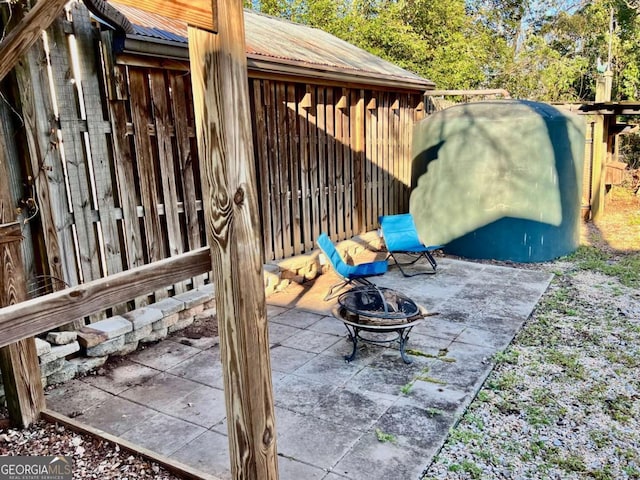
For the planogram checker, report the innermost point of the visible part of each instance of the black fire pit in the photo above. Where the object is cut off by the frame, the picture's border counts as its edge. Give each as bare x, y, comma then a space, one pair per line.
377, 310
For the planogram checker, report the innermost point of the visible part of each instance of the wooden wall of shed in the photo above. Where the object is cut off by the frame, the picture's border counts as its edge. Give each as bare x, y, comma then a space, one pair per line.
330, 159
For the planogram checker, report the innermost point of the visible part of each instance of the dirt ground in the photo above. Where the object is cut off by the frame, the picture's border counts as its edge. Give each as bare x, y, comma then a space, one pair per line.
617, 232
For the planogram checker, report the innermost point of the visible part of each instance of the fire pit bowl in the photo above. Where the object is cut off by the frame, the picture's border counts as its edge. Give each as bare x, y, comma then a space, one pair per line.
378, 310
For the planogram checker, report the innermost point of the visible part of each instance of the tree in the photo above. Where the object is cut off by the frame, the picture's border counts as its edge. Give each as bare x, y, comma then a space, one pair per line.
542, 49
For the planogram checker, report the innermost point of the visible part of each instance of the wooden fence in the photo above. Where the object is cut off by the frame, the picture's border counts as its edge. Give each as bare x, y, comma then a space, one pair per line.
113, 171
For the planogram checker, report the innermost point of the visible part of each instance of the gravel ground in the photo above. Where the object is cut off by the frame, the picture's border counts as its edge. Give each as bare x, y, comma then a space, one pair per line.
563, 401
92, 458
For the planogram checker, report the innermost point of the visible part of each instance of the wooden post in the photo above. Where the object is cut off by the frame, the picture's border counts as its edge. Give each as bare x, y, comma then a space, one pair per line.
18, 361
221, 103
600, 134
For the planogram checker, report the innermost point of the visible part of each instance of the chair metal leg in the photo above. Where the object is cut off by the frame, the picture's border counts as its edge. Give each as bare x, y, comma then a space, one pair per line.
426, 255
330, 295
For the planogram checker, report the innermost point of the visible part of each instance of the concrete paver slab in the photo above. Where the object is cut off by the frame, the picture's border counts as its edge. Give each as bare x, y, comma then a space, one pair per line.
411, 426
290, 469
208, 452
298, 394
389, 378
486, 338
329, 325
297, 318
161, 391
164, 355
328, 369
445, 398
287, 360
318, 442
275, 310
204, 406
121, 377
116, 415
359, 409
310, 341
279, 332
163, 433
75, 397
472, 364
372, 459
204, 367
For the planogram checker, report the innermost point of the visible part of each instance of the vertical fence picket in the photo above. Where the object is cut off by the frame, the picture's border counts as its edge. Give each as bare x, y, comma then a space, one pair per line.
186, 162
305, 180
322, 160
274, 169
145, 164
314, 163
98, 129
340, 180
283, 165
293, 154
261, 134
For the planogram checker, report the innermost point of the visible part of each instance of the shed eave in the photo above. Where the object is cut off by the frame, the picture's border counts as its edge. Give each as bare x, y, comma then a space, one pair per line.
160, 48
270, 65
153, 47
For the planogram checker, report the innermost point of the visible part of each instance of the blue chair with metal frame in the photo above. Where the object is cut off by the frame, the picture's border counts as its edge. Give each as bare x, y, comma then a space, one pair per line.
401, 237
350, 274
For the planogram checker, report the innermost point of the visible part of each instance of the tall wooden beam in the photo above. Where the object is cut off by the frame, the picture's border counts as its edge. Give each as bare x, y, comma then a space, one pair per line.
20, 38
600, 137
18, 361
221, 103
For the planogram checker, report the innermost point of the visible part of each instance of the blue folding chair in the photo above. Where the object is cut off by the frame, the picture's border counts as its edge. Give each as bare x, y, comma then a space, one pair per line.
401, 237
350, 274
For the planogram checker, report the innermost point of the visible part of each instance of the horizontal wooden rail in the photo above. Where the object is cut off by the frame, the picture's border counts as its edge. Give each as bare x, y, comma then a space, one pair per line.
38, 315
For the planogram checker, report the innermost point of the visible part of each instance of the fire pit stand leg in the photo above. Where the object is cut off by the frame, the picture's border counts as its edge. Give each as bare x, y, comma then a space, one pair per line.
403, 336
353, 336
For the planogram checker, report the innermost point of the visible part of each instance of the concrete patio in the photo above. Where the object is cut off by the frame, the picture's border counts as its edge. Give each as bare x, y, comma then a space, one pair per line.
373, 418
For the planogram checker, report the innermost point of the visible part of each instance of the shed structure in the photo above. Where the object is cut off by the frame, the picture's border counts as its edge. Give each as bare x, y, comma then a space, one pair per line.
332, 123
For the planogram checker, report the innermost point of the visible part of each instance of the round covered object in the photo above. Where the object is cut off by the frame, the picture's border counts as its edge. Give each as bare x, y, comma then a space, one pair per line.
499, 180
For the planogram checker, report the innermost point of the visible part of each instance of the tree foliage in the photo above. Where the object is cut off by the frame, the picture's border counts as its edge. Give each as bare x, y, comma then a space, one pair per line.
543, 49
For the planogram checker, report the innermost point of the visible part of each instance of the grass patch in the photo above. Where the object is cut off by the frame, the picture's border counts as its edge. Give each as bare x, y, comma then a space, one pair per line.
506, 381
625, 269
509, 357
426, 378
385, 437
464, 436
568, 361
441, 355
570, 463
618, 408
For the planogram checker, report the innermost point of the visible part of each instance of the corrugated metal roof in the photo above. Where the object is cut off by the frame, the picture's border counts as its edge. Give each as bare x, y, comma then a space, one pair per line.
283, 41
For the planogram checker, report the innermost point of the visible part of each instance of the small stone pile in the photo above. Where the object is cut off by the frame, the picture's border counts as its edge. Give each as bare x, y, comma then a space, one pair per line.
91, 346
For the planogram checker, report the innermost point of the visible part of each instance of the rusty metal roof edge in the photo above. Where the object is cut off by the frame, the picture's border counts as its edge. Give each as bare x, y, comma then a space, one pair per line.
141, 44
310, 70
